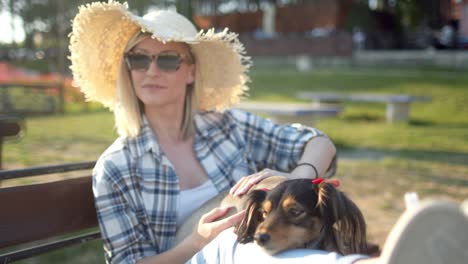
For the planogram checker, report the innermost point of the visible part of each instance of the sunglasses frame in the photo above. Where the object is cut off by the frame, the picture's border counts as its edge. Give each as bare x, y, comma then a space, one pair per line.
154, 58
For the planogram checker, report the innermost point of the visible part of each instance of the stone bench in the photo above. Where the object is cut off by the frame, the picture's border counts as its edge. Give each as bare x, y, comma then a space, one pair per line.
290, 112
398, 105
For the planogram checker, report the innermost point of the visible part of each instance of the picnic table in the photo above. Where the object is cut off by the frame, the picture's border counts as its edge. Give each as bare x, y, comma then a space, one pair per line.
398, 105
290, 112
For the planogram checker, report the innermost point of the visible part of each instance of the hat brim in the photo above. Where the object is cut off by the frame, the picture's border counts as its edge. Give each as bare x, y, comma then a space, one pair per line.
101, 31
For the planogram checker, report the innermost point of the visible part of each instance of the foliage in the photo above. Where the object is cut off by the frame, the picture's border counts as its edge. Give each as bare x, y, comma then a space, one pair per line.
413, 13
360, 16
46, 24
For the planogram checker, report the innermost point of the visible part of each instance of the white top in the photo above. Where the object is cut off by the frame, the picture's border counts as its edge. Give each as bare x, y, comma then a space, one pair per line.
191, 199
227, 250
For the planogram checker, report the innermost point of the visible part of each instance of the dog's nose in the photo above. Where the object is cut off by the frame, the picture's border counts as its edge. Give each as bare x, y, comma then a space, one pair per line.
262, 238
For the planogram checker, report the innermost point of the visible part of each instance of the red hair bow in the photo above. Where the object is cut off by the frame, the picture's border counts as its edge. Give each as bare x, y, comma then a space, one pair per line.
335, 183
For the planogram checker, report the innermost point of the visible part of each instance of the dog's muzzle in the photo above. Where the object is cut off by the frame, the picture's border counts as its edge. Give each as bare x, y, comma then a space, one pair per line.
262, 238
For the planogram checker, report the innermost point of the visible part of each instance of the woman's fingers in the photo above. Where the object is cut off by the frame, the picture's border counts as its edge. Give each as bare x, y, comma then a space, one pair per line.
238, 184
209, 228
246, 187
246, 183
229, 221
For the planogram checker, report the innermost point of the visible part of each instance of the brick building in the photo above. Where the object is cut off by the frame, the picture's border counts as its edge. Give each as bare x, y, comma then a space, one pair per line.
291, 25
292, 18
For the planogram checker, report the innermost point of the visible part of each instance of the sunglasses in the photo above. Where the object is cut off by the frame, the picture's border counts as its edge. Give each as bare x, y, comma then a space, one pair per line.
168, 61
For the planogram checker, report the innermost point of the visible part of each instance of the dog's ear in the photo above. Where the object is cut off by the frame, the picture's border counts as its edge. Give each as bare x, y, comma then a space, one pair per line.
245, 229
343, 221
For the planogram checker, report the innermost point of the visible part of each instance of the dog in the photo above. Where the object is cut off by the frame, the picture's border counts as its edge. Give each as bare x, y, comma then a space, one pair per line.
303, 213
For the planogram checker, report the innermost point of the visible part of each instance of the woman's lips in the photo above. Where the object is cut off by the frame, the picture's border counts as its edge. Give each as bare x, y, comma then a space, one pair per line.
153, 86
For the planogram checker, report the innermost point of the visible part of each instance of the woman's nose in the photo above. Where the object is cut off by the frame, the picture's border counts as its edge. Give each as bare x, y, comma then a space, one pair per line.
153, 69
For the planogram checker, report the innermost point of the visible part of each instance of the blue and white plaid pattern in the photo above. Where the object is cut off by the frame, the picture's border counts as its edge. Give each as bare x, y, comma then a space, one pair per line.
136, 188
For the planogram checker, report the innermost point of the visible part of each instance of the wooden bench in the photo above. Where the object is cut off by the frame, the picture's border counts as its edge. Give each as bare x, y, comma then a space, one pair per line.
290, 112
398, 105
46, 213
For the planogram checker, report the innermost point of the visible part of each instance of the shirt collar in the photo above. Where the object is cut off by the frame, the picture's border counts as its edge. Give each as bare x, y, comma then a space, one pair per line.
146, 141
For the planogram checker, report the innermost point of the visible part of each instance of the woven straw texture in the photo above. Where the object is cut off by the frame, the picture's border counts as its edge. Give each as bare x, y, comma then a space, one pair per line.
100, 32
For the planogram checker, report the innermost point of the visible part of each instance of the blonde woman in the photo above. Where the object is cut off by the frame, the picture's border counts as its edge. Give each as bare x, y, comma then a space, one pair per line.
170, 88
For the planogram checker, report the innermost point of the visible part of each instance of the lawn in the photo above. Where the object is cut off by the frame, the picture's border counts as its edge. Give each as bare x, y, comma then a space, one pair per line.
378, 162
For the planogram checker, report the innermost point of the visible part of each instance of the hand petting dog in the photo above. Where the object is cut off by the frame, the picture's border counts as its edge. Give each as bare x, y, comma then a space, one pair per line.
212, 223
247, 182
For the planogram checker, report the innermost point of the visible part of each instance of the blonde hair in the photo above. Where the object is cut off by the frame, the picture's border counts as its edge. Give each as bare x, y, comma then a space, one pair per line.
128, 112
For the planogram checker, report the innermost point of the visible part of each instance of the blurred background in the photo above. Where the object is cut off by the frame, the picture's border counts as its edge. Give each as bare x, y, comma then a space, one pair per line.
391, 74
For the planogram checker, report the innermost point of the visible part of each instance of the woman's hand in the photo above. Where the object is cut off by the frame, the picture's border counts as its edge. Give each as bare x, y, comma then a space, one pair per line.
208, 228
247, 182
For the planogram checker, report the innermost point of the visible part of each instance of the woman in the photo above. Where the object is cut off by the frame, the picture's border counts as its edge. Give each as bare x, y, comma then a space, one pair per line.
169, 87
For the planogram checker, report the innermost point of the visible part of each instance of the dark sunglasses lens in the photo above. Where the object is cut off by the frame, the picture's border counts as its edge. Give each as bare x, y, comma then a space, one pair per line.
168, 62
139, 61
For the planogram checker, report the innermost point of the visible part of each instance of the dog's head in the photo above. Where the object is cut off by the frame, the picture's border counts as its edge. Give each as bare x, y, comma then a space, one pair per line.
301, 214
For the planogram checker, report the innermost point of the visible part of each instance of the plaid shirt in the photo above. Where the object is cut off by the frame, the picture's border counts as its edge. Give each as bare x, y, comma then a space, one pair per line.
136, 188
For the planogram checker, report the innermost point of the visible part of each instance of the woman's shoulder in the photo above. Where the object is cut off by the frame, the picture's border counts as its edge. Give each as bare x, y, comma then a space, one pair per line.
117, 153
220, 118
118, 147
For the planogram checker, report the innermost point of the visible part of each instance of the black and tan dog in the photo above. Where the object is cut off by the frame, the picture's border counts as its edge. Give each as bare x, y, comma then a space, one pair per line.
285, 214
301, 213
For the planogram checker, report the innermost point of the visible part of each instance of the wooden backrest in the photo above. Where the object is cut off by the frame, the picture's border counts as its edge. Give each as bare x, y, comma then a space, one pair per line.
39, 211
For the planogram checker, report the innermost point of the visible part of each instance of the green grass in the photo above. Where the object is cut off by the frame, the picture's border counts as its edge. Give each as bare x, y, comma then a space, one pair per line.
436, 127
60, 138
87, 253
379, 162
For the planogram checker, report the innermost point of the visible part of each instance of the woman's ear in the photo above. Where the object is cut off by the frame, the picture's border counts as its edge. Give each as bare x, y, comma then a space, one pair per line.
191, 74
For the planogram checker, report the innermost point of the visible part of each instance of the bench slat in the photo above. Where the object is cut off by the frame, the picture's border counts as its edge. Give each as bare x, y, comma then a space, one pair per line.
40, 211
42, 170
37, 250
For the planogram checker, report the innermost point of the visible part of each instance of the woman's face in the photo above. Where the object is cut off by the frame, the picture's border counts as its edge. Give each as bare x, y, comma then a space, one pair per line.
157, 87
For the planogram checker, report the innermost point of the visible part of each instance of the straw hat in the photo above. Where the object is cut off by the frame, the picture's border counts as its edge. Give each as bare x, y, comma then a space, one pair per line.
102, 30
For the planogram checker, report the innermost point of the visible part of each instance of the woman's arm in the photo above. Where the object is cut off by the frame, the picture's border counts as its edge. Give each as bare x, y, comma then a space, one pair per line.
208, 229
319, 153
277, 149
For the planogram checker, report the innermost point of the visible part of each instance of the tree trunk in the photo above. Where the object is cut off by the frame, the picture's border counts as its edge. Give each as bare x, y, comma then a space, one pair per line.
12, 22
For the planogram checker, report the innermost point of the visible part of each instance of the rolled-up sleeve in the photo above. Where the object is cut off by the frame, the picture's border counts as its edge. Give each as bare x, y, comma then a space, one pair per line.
271, 145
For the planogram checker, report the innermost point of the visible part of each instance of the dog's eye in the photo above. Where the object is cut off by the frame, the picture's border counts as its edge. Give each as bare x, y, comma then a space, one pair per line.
294, 212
